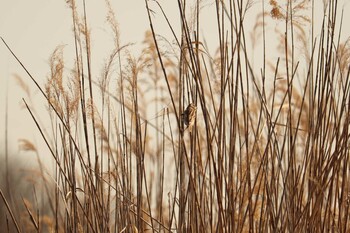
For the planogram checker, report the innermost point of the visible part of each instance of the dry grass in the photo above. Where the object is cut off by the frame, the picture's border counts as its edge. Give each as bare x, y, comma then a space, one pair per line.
268, 151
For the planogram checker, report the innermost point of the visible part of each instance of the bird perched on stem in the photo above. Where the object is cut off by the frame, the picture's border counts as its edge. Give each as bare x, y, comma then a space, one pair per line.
189, 116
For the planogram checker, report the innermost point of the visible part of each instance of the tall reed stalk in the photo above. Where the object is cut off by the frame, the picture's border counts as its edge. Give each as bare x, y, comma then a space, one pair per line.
269, 149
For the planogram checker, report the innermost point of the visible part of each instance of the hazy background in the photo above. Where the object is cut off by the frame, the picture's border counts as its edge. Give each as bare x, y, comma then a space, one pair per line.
34, 28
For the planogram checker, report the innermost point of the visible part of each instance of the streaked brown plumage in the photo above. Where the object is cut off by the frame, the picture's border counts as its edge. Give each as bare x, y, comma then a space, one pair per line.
189, 116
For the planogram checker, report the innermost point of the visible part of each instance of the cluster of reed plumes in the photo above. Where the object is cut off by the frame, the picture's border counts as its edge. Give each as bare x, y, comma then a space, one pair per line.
268, 150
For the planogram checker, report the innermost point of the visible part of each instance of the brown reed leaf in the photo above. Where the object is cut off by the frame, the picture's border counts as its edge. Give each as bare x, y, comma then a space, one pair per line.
28, 206
277, 14
26, 145
47, 221
113, 23
57, 66
22, 84
343, 56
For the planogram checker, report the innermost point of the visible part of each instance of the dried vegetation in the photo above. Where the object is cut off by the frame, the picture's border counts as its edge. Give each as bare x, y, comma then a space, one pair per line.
268, 151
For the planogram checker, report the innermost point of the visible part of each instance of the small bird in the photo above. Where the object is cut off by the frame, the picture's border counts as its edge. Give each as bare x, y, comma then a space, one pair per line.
189, 116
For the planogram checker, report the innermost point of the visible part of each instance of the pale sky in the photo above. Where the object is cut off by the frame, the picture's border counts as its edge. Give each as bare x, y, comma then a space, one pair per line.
34, 28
